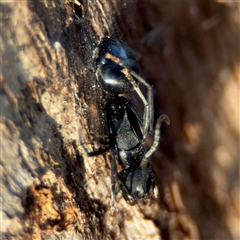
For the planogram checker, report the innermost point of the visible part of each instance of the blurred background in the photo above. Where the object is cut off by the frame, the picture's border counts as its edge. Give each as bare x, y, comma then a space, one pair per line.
190, 52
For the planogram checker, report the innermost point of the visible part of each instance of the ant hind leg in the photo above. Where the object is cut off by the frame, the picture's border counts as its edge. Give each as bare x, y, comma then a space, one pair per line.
113, 178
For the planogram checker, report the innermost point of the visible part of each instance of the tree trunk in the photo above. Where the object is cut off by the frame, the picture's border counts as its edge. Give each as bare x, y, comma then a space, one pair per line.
51, 111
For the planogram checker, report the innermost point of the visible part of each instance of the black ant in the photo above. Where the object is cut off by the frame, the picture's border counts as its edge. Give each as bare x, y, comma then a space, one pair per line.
118, 72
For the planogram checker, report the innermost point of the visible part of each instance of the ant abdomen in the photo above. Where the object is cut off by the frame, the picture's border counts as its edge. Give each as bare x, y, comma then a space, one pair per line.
110, 73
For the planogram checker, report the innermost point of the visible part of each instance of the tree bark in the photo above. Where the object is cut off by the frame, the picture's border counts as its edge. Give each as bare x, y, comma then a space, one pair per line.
51, 105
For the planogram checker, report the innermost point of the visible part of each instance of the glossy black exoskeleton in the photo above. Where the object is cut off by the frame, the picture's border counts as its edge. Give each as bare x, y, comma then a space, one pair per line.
109, 72
118, 71
136, 183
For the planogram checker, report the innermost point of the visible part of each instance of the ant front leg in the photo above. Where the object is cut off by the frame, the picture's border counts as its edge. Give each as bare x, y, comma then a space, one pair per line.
147, 178
112, 144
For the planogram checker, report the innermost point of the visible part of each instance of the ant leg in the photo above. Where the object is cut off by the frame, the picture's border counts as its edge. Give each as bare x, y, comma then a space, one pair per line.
135, 111
148, 125
148, 104
107, 126
113, 178
143, 166
106, 117
157, 134
144, 163
135, 119
93, 153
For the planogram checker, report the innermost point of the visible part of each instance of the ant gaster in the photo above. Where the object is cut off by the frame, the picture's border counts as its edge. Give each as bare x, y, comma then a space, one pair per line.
118, 71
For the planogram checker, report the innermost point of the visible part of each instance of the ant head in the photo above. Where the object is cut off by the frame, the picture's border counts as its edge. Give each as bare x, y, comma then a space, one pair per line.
136, 184
111, 75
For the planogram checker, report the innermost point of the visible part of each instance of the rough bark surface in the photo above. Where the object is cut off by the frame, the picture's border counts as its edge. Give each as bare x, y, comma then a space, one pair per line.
51, 104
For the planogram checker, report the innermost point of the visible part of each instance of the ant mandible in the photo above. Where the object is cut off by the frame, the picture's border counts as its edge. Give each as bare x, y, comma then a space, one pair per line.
118, 71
